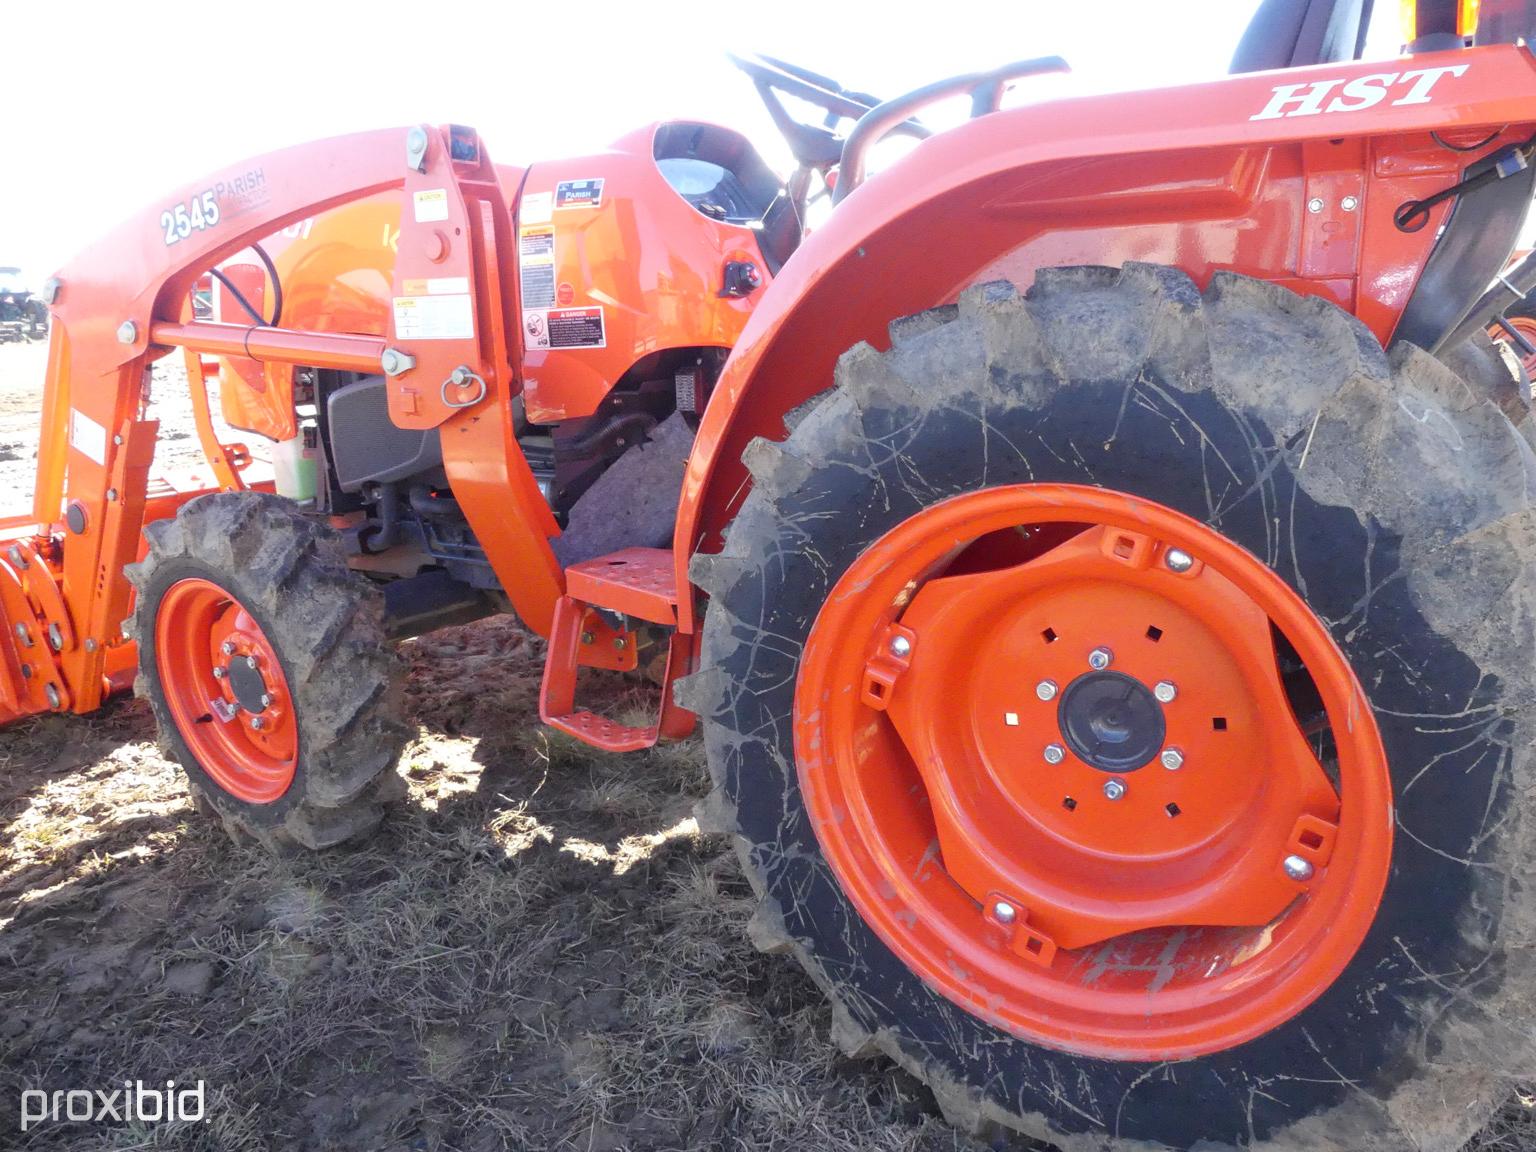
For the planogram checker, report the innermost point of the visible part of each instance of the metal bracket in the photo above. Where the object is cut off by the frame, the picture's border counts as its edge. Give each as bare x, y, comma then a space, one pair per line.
416, 149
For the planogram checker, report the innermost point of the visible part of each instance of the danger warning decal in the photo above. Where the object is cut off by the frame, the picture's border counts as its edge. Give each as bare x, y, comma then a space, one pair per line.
579, 194
563, 328
536, 254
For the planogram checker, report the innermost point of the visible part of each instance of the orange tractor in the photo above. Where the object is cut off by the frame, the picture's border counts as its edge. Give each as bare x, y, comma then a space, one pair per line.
1120, 690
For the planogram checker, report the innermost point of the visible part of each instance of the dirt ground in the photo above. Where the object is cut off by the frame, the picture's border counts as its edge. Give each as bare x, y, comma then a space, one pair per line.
540, 950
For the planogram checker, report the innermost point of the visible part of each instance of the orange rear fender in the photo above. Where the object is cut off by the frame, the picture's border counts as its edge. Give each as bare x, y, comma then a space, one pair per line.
1290, 176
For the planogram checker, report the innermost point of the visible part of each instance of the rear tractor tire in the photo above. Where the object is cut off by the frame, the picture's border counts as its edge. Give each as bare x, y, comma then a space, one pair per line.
265, 662
1121, 698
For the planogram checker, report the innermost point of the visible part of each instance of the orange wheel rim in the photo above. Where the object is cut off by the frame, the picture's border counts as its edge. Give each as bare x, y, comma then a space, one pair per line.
226, 691
1526, 326
1093, 772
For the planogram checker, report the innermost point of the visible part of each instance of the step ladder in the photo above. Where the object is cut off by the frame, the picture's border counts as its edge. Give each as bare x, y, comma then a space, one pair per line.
592, 629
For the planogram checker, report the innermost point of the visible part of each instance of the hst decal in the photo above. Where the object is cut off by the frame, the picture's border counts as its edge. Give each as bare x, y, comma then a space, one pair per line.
1346, 95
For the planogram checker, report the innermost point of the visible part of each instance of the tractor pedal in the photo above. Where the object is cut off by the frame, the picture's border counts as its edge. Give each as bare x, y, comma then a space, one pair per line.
636, 583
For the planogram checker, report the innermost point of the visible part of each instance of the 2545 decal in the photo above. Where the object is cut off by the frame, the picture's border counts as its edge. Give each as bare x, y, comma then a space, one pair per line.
181, 220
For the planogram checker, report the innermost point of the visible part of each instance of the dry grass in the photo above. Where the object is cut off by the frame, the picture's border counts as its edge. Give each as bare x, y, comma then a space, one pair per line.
540, 951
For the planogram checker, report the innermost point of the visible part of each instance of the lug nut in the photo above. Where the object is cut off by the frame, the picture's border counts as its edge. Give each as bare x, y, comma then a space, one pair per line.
1003, 912
901, 647
1178, 560
1297, 867
266, 701
258, 723
1055, 753
1114, 789
228, 647
1172, 759
1046, 689
1165, 691
1100, 659
218, 672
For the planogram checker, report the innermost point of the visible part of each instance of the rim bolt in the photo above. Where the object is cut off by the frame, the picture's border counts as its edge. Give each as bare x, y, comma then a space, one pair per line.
1165, 691
228, 647
1114, 789
901, 647
1003, 912
1178, 560
1100, 659
218, 672
1046, 689
1055, 753
266, 701
258, 723
250, 662
1172, 759
1297, 867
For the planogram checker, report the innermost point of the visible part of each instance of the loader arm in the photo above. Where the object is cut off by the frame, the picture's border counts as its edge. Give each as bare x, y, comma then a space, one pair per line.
448, 357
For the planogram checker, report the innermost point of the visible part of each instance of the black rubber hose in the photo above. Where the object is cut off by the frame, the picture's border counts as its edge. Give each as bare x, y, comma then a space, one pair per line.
246, 305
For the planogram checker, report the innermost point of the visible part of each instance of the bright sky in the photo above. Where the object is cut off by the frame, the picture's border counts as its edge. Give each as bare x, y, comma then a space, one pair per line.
111, 104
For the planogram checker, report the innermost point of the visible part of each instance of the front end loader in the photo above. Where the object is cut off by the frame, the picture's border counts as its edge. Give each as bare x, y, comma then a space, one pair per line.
1099, 556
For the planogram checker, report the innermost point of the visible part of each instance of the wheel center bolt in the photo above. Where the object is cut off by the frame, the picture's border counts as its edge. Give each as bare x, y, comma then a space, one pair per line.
1114, 789
1172, 759
1046, 689
1100, 659
1165, 691
1055, 753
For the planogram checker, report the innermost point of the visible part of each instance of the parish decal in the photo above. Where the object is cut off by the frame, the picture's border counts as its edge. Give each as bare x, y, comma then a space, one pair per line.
579, 194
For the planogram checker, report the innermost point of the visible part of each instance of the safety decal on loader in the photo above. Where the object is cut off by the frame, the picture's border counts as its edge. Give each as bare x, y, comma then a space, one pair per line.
434, 317
87, 436
563, 328
536, 260
579, 194
431, 204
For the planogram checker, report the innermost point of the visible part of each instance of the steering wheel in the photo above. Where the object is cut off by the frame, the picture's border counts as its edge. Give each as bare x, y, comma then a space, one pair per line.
813, 145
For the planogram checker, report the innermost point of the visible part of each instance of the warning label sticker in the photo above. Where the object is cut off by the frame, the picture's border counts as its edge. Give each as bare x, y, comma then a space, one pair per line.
434, 318
537, 208
579, 194
87, 436
431, 204
436, 286
536, 253
564, 328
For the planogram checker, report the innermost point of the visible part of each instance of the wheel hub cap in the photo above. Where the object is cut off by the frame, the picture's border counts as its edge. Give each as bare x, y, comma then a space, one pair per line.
1111, 722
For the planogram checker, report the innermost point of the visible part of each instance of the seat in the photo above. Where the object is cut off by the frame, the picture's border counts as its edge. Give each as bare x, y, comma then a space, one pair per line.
1298, 33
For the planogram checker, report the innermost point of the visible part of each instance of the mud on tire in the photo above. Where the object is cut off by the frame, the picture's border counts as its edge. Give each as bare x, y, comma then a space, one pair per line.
1393, 498
325, 624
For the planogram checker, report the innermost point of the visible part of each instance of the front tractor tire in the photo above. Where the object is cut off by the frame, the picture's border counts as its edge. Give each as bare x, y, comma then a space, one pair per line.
265, 662
1120, 697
